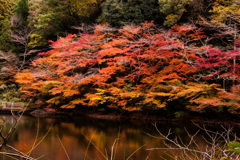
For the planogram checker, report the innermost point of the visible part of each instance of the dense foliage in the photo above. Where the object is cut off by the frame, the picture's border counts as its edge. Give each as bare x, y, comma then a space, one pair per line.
6, 11
224, 22
133, 68
53, 18
118, 13
124, 62
22, 10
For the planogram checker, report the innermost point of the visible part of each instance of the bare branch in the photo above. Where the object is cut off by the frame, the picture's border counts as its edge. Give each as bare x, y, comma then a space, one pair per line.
216, 146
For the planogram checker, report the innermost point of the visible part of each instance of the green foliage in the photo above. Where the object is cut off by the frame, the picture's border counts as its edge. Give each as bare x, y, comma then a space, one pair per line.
182, 11
118, 12
5, 39
49, 16
85, 10
6, 11
112, 12
173, 10
233, 146
9, 93
22, 10
54, 18
37, 41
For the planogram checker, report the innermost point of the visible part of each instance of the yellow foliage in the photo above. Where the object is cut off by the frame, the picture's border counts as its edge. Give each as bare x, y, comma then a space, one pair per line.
55, 100
154, 102
130, 95
100, 91
194, 90
73, 103
37, 41
96, 99
226, 11
48, 85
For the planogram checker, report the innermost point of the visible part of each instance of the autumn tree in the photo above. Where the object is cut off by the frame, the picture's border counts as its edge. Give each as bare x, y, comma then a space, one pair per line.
224, 21
218, 64
133, 68
221, 67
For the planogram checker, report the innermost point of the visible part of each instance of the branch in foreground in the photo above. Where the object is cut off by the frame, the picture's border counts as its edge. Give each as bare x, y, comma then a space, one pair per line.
216, 144
13, 152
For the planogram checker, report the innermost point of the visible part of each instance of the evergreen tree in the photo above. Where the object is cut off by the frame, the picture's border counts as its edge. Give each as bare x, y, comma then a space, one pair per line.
54, 18
49, 19
173, 9
6, 11
120, 12
22, 10
184, 10
5, 39
85, 11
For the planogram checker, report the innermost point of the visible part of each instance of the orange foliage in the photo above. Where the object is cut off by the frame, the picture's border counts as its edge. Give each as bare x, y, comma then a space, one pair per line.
130, 68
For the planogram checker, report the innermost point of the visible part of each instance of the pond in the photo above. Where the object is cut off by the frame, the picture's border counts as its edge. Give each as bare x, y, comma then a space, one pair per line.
82, 138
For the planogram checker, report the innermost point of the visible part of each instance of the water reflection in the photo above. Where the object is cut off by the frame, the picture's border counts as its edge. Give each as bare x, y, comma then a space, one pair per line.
76, 135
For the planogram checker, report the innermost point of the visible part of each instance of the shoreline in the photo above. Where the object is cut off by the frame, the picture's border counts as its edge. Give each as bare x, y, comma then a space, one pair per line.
138, 116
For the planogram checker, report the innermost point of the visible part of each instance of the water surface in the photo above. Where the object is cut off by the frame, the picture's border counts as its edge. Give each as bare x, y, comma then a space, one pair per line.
82, 138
